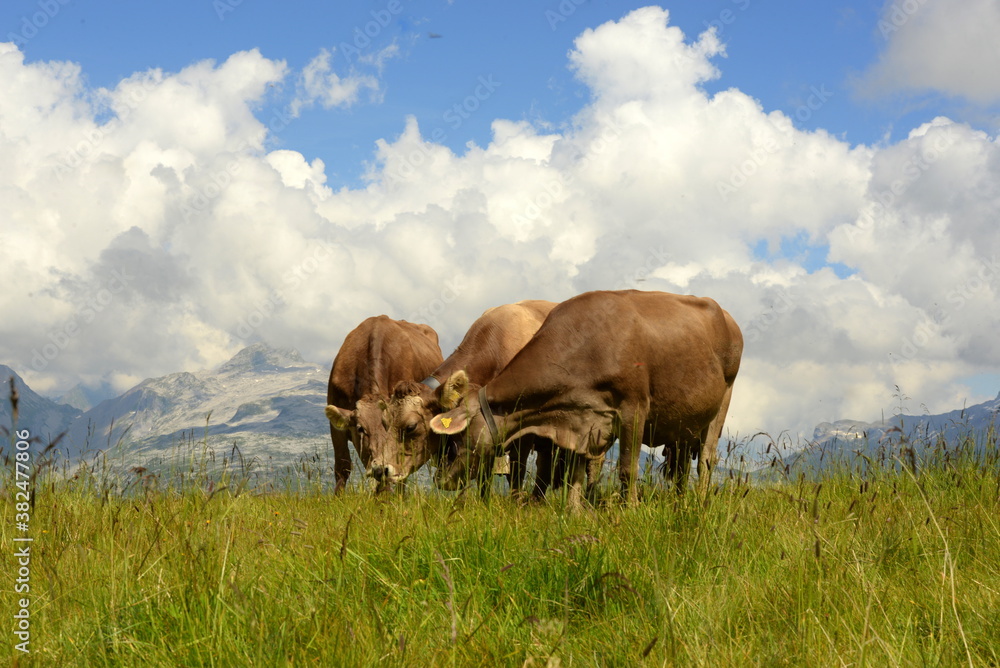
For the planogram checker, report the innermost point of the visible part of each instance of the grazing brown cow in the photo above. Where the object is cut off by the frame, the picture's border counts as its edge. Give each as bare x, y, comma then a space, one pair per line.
491, 342
375, 356
639, 366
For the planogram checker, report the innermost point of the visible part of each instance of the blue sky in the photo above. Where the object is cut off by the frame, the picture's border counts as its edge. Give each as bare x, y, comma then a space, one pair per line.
787, 55
181, 179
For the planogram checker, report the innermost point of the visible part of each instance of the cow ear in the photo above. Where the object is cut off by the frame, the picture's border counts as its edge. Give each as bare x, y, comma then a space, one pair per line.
449, 423
382, 406
340, 418
453, 389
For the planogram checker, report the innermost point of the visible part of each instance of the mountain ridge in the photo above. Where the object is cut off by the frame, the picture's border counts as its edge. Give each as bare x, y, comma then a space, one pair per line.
269, 401
43, 418
851, 441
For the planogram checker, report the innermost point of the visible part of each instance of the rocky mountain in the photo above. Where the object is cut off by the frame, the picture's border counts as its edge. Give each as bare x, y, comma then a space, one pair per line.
974, 418
268, 402
85, 398
43, 418
844, 439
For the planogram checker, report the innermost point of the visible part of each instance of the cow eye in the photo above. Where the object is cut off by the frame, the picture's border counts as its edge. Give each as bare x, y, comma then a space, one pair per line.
406, 434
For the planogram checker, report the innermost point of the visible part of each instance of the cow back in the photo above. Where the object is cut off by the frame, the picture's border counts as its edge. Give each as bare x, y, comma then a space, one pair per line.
494, 339
675, 354
377, 354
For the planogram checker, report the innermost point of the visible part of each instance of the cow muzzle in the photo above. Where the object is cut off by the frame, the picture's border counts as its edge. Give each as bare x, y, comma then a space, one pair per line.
446, 482
384, 473
455, 474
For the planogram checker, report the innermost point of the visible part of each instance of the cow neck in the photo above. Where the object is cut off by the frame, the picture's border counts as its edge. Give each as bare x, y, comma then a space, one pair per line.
484, 408
431, 382
515, 408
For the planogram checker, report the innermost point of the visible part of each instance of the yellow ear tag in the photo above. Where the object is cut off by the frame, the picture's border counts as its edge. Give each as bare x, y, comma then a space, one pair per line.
446, 422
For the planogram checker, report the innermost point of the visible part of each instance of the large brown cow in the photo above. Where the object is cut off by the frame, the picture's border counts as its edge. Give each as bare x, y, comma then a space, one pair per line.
376, 355
647, 367
491, 342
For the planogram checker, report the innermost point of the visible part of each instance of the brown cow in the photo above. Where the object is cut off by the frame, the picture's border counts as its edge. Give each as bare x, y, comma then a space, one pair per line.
639, 366
491, 342
375, 356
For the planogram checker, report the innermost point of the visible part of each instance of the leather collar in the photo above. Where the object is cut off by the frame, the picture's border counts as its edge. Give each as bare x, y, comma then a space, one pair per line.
484, 408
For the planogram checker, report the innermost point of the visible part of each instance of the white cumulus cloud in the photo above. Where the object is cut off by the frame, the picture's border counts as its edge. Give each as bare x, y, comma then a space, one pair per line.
947, 46
319, 83
169, 236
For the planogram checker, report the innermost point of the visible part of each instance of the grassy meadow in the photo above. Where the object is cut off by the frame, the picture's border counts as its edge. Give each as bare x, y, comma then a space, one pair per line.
867, 565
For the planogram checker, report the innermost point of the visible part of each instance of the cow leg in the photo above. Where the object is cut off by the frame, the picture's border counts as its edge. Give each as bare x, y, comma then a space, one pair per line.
594, 469
668, 466
629, 435
485, 479
341, 460
543, 469
708, 457
576, 478
560, 467
680, 467
518, 461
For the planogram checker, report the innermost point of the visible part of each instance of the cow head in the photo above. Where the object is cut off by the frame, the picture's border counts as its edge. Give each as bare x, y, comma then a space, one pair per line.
408, 437
469, 440
406, 417
368, 430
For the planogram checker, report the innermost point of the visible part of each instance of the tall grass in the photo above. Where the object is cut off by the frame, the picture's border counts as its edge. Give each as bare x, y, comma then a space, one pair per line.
871, 563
